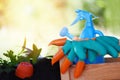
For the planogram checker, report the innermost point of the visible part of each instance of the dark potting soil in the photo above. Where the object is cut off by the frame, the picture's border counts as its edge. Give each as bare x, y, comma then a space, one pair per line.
43, 70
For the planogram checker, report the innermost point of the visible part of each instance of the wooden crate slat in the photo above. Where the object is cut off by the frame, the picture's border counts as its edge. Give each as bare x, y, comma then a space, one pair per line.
104, 71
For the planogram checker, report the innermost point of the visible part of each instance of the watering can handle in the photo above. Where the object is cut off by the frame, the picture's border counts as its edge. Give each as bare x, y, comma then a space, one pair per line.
99, 33
65, 32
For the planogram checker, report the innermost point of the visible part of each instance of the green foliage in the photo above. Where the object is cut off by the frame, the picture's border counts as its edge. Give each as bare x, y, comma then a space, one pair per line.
107, 11
5, 66
25, 55
33, 54
112, 16
97, 7
13, 58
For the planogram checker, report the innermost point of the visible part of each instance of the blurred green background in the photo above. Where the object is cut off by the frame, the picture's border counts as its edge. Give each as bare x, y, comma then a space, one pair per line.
41, 20
108, 13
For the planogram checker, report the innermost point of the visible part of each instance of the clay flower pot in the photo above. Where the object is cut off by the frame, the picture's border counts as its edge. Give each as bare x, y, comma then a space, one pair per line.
24, 70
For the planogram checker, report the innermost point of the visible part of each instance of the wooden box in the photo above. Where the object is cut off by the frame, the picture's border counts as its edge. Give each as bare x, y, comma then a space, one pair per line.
110, 70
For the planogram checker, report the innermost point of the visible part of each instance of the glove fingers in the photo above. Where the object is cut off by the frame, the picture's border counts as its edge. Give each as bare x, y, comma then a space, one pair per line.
95, 46
113, 39
67, 47
114, 42
80, 52
91, 55
81, 46
65, 65
58, 56
68, 61
58, 42
110, 49
79, 69
71, 56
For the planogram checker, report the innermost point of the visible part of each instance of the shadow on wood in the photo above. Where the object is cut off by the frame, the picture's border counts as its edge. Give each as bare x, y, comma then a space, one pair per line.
110, 70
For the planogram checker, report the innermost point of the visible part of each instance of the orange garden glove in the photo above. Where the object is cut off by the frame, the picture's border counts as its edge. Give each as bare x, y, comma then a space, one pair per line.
71, 49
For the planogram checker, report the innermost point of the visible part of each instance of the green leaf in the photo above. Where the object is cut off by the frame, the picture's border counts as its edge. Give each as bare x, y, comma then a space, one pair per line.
35, 47
1, 60
22, 59
24, 45
11, 56
34, 54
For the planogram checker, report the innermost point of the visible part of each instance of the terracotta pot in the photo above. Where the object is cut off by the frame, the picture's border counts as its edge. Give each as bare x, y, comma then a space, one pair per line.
24, 70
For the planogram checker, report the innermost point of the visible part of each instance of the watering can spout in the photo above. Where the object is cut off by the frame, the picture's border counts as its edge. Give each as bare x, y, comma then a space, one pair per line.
75, 21
83, 15
78, 18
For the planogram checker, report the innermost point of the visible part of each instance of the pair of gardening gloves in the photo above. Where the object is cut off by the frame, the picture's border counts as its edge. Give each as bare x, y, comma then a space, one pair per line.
84, 49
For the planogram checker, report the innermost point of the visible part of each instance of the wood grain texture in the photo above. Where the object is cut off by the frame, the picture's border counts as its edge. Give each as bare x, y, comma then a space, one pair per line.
105, 71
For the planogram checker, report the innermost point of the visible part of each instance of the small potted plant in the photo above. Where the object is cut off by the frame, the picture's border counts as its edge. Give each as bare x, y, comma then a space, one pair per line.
9, 67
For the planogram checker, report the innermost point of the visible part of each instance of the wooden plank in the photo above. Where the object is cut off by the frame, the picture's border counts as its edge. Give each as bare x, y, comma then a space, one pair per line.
109, 60
105, 71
